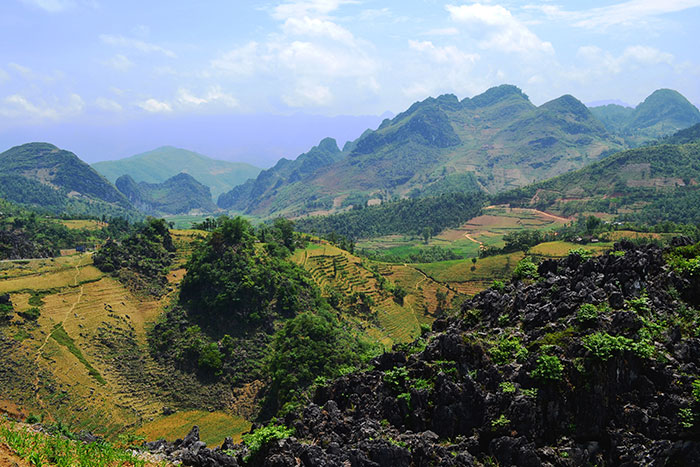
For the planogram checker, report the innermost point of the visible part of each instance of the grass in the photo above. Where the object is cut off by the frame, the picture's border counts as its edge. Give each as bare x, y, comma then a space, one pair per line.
87, 224
39, 449
214, 426
48, 281
61, 336
485, 269
560, 249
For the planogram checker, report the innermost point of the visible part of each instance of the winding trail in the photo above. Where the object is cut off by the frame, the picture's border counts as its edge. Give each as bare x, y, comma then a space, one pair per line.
469, 237
48, 336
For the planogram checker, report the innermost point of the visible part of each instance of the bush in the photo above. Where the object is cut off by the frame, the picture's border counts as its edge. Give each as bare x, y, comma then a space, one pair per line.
581, 253
696, 390
264, 435
32, 313
587, 313
525, 269
549, 368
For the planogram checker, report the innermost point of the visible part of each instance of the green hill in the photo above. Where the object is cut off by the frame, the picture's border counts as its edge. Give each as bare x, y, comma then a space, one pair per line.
163, 163
649, 184
180, 194
664, 112
494, 141
42, 176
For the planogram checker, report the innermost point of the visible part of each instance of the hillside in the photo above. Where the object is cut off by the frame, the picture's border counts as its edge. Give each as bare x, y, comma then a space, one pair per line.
664, 112
493, 141
181, 194
42, 176
165, 162
595, 364
651, 184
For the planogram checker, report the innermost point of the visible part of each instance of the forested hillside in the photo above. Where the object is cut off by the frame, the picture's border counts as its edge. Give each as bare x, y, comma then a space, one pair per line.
180, 194
44, 177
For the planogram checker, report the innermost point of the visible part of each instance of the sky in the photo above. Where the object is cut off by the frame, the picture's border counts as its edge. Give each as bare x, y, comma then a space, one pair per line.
255, 81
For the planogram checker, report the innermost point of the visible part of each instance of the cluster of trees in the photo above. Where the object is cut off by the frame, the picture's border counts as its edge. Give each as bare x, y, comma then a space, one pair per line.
521, 240
407, 216
239, 288
432, 254
142, 259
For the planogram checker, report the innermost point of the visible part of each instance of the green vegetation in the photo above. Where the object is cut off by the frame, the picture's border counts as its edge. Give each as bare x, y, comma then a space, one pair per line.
525, 269
548, 368
165, 162
265, 435
43, 177
409, 216
508, 349
40, 449
141, 260
603, 346
587, 313
60, 335
177, 195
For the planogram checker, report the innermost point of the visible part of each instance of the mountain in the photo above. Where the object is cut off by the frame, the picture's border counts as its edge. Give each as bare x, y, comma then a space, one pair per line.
493, 141
180, 194
40, 175
650, 184
160, 164
664, 112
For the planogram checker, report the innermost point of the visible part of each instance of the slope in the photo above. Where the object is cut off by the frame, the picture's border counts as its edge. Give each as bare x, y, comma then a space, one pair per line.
493, 141
180, 194
165, 162
40, 175
664, 112
653, 183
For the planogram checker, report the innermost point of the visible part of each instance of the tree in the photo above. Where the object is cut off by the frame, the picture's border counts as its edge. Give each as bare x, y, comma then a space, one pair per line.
426, 235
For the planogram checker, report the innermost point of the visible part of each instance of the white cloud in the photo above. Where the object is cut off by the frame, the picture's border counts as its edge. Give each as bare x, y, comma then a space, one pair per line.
631, 57
215, 95
18, 106
22, 70
299, 9
119, 62
500, 29
631, 13
141, 46
243, 61
442, 32
108, 104
52, 6
155, 106
4, 76
317, 27
309, 93
447, 55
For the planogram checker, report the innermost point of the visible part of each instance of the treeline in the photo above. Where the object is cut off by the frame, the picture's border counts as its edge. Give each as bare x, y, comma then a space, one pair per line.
26, 234
406, 216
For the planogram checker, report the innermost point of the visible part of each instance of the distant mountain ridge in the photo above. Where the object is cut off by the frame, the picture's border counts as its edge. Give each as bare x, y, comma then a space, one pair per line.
165, 162
40, 175
498, 138
662, 113
181, 194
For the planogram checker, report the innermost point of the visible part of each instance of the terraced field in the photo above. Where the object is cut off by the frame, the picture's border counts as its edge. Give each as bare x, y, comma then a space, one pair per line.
387, 322
214, 426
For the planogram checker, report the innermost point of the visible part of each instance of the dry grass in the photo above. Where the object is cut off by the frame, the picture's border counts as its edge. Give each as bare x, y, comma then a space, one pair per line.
84, 224
214, 426
561, 249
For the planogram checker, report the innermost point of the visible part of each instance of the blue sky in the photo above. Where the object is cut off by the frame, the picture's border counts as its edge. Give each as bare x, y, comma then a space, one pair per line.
81, 72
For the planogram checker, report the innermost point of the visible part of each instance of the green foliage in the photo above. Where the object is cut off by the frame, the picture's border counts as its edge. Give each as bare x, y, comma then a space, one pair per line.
696, 390
41, 449
532, 392
507, 387
508, 349
399, 294
310, 345
581, 252
265, 435
396, 377
407, 216
498, 285
687, 417
142, 259
525, 269
60, 335
500, 422
603, 346
31, 314
548, 368
177, 195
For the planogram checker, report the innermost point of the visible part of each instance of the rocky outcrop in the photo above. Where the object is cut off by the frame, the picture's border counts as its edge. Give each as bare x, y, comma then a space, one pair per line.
520, 377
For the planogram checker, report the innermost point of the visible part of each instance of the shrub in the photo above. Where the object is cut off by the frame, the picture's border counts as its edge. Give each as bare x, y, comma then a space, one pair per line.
587, 313
696, 390
507, 349
525, 269
507, 387
32, 313
549, 368
581, 253
603, 345
500, 422
264, 435
396, 377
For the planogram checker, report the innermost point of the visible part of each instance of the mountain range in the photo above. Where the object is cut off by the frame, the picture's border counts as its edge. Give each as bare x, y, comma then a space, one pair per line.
495, 141
44, 177
165, 162
177, 195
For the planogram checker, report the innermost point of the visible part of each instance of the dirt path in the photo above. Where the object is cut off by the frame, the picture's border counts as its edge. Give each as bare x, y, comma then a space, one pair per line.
469, 237
48, 336
551, 216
